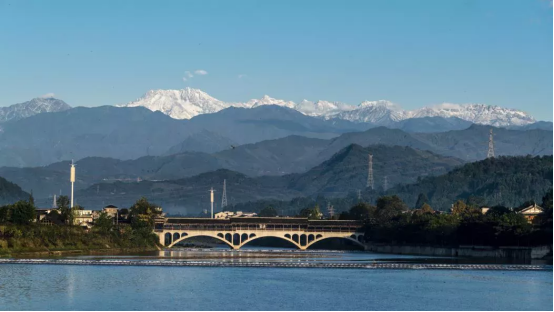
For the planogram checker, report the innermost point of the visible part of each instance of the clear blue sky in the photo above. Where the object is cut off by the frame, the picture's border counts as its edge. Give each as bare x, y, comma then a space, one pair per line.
414, 53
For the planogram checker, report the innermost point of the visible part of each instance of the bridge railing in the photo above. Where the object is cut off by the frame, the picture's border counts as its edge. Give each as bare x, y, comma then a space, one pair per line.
256, 227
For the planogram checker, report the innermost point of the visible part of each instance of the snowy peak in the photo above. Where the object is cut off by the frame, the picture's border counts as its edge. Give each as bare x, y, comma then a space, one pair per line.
267, 100
33, 107
189, 102
477, 113
179, 104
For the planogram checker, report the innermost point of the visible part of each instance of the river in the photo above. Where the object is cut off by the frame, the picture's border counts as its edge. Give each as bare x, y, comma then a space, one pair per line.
116, 287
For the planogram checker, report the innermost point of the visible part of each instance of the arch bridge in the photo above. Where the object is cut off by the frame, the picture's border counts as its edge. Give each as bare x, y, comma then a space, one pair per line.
236, 232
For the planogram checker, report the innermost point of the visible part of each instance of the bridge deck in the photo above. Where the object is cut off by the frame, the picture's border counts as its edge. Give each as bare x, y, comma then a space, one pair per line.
269, 224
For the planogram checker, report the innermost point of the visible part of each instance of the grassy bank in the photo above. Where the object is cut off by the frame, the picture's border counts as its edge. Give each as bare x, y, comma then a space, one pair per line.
55, 239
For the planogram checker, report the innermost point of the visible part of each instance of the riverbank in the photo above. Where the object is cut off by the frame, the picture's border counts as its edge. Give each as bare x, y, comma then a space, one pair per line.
505, 252
52, 240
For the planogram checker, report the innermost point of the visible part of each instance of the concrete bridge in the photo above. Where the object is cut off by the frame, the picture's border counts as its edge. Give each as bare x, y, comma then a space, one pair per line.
237, 232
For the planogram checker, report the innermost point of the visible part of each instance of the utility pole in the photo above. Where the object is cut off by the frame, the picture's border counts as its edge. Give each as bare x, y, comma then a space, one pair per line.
72, 180
386, 184
490, 153
224, 195
212, 201
370, 172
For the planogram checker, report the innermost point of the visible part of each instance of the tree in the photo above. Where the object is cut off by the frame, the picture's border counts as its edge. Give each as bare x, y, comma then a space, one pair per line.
425, 208
268, 212
547, 201
142, 213
389, 206
460, 208
498, 211
421, 199
312, 213
65, 211
22, 212
5, 214
31, 199
361, 211
104, 223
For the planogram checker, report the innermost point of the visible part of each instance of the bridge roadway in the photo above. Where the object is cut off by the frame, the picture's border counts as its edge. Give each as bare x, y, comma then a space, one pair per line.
236, 232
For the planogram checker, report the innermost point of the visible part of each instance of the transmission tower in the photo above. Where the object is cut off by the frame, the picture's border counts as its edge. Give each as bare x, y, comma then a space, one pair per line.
330, 209
224, 195
359, 195
370, 172
490, 153
386, 184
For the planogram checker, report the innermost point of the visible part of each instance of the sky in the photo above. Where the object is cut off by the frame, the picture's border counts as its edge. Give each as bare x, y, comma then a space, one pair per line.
414, 53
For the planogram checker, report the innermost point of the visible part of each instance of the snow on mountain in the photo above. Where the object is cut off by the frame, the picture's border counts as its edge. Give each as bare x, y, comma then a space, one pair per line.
477, 113
179, 104
267, 100
32, 107
187, 103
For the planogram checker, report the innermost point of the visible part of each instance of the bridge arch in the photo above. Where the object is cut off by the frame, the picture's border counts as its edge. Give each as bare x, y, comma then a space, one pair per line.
173, 243
340, 237
251, 239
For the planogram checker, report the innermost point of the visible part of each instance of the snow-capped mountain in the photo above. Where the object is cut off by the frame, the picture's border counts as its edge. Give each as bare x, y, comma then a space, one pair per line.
187, 103
477, 113
32, 107
179, 104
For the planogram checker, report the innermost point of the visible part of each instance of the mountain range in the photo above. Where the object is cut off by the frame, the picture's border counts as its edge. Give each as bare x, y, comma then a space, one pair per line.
346, 170
33, 107
289, 155
189, 102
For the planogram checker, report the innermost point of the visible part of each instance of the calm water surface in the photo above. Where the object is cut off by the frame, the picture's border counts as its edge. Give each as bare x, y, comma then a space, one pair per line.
69, 287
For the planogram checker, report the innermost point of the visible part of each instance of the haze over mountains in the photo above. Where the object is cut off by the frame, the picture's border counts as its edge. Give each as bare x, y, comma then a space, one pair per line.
188, 102
33, 107
275, 148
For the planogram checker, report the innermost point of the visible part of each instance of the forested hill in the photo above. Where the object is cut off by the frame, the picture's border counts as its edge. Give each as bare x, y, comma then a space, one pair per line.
507, 181
11, 192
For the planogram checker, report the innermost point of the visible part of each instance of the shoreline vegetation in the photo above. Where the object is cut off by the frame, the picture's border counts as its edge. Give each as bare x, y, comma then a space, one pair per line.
21, 234
389, 222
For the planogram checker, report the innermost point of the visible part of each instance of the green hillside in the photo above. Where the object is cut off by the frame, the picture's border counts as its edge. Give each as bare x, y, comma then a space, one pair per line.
10, 192
508, 181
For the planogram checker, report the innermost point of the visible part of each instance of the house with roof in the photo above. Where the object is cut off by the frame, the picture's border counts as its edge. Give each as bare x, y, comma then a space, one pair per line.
531, 212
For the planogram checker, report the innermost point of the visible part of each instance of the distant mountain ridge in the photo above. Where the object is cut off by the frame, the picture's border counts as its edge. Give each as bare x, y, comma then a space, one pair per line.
189, 102
30, 108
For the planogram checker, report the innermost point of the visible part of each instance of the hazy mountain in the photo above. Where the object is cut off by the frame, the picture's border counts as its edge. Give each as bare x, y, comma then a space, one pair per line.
347, 170
202, 141
507, 181
10, 192
344, 172
292, 154
132, 132
35, 106
543, 125
187, 103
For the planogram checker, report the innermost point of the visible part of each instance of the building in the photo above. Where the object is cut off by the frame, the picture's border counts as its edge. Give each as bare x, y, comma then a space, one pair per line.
82, 216
238, 214
42, 214
111, 210
484, 210
531, 212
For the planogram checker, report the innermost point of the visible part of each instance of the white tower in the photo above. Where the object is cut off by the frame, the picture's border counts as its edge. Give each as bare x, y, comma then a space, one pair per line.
54, 204
72, 180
